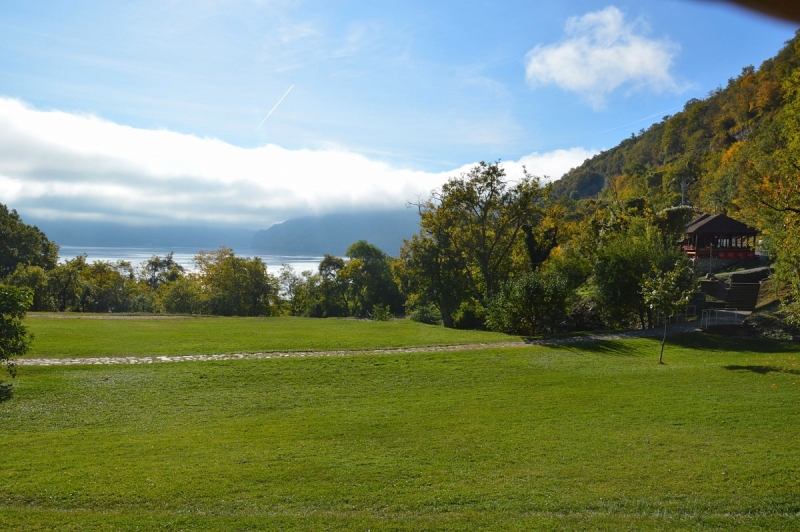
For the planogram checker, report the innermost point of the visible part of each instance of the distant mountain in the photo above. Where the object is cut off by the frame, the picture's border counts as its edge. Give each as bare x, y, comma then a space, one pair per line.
101, 234
333, 233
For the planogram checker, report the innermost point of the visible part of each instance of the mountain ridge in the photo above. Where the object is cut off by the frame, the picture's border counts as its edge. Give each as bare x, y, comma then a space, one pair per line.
333, 233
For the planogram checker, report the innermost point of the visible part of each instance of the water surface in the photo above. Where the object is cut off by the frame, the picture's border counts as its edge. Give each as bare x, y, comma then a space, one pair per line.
183, 256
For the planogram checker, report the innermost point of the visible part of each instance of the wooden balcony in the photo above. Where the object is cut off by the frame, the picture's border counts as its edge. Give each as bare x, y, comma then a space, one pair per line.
721, 253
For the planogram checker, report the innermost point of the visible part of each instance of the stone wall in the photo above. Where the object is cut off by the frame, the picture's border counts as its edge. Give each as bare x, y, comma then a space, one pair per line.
702, 265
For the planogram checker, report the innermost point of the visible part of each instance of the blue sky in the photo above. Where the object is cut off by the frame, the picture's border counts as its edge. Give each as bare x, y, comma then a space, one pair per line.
147, 111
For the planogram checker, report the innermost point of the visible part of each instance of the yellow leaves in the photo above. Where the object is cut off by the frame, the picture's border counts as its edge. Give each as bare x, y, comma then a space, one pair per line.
557, 252
749, 79
730, 154
768, 95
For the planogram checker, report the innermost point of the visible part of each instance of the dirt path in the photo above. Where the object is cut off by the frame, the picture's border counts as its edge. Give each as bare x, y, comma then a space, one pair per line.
317, 354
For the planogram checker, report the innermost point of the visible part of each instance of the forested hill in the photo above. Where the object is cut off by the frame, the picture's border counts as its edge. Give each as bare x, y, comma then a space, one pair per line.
702, 146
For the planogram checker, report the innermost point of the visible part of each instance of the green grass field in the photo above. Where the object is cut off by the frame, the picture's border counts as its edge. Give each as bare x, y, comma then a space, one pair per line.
594, 436
76, 335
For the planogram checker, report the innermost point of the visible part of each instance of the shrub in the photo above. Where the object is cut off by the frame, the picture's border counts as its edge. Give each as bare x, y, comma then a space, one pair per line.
183, 296
382, 313
529, 304
470, 315
426, 314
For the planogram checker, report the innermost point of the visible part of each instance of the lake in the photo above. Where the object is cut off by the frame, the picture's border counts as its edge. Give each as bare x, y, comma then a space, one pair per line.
183, 256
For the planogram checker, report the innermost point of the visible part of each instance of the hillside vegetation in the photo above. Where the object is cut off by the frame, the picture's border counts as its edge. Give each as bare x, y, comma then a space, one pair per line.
736, 152
705, 145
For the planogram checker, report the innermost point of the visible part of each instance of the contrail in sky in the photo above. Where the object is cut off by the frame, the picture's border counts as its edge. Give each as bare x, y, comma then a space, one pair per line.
636, 122
276, 106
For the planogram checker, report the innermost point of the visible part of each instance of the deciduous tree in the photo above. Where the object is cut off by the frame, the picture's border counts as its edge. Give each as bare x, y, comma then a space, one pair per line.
370, 280
23, 244
469, 231
236, 286
482, 215
14, 338
156, 270
623, 259
667, 292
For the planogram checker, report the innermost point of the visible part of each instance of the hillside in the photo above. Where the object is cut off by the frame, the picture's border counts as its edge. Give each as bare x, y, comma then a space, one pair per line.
333, 233
703, 146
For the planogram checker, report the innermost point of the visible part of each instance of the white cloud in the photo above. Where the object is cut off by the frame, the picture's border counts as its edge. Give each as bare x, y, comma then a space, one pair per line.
551, 165
60, 165
601, 52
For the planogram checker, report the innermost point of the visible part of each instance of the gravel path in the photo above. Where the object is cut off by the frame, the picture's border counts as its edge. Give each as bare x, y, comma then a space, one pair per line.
316, 354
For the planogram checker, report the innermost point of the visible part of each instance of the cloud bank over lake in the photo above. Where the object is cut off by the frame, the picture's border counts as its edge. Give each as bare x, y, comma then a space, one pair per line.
59, 165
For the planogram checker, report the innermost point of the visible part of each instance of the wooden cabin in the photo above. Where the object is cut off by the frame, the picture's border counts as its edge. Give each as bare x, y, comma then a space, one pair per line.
720, 237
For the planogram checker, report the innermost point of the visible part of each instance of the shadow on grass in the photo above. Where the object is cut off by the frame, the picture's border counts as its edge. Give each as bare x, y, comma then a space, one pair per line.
712, 342
762, 370
563, 335
6, 392
606, 347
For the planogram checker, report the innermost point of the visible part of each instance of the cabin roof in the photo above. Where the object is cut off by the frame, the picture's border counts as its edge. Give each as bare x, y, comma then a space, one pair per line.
718, 224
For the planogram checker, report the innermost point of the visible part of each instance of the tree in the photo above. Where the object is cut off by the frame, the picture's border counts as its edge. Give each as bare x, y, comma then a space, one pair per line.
14, 337
37, 280
290, 289
668, 292
156, 271
482, 216
236, 286
624, 258
23, 244
107, 287
327, 291
428, 274
370, 282
470, 230
770, 193
183, 295
529, 303
66, 284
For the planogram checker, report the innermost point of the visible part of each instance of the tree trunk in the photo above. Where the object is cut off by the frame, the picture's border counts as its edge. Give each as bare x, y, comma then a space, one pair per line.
447, 319
663, 341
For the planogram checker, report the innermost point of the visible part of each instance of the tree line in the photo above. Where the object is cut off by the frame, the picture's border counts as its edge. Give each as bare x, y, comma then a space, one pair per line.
490, 253
222, 283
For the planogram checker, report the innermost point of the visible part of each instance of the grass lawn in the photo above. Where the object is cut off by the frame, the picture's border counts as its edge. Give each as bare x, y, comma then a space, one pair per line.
582, 437
76, 335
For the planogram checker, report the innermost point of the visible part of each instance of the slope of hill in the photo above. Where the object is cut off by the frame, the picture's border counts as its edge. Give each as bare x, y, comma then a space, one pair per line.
699, 147
333, 233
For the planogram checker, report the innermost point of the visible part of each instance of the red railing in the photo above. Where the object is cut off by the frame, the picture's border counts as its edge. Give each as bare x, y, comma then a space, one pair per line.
729, 253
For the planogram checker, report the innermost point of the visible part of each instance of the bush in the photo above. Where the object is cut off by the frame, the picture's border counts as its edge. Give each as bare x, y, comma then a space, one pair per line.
584, 315
769, 325
426, 314
14, 337
470, 315
183, 296
529, 304
382, 313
